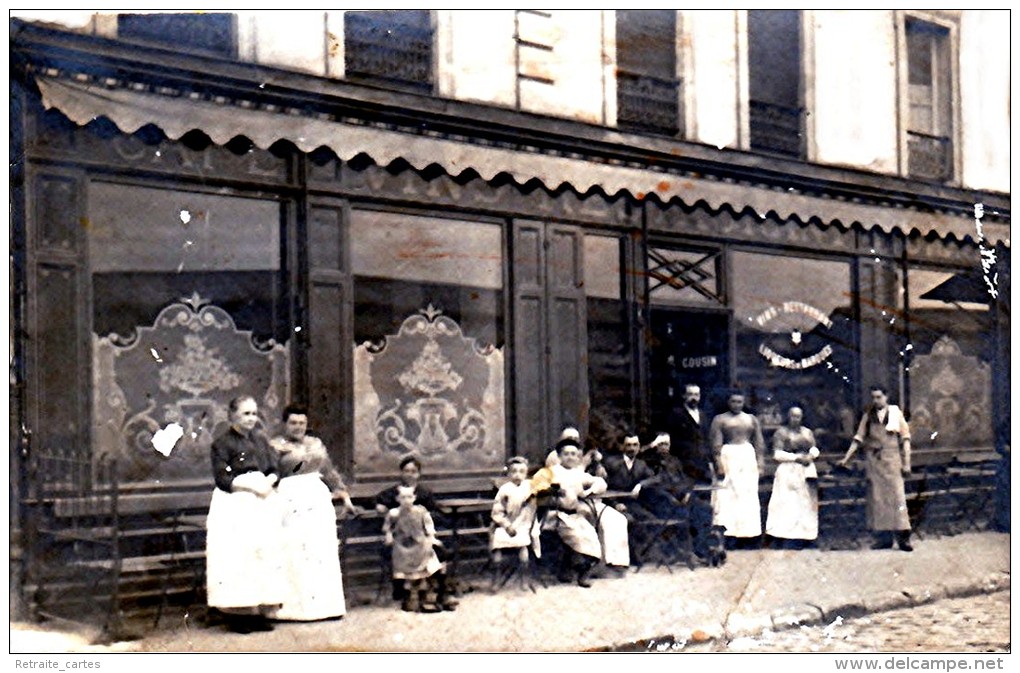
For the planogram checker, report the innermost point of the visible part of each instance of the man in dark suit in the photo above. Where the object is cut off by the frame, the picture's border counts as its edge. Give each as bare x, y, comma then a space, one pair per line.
687, 429
625, 471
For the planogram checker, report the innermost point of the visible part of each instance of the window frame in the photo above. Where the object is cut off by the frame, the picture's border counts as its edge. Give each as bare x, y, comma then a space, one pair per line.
948, 20
805, 86
679, 56
425, 88
719, 259
232, 53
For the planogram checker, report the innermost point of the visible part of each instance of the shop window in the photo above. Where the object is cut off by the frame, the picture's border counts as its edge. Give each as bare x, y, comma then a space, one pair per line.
647, 86
209, 33
391, 47
610, 371
948, 368
929, 105
684, 276
794, 330
774, 70
429, 336
189, 309
150, 247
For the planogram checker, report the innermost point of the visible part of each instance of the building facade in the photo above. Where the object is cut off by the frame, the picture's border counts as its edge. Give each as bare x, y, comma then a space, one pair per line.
452, 232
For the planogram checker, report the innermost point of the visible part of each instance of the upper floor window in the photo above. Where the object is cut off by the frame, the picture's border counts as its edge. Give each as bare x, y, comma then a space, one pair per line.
210, 33
929, 124
647, 86
392, 47
774, 69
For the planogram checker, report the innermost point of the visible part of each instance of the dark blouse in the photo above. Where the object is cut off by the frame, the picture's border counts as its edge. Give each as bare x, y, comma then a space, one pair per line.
234, 454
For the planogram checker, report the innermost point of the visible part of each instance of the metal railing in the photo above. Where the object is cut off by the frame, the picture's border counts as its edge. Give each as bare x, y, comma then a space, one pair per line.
389, 48
929, 157
777, 129
646, 103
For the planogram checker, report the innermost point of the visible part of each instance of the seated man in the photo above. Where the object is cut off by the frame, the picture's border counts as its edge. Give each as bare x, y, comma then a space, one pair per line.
627, 472
589, 529
673, 491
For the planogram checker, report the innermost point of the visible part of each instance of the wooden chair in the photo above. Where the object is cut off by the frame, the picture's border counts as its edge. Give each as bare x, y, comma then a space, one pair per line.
179, 556
526, 574
74, 550
667, 538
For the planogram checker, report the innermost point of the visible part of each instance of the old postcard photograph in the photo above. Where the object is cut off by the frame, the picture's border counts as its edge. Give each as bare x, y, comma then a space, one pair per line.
511, 331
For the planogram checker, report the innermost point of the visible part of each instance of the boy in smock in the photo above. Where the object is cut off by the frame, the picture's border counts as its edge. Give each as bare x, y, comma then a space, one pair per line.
411, 534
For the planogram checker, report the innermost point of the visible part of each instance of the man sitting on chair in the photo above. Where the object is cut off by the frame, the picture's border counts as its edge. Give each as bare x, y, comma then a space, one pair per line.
672, 491
625, 471
588, 528
628, 472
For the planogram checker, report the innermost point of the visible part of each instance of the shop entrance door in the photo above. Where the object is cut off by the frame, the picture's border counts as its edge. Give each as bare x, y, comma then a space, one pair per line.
688, 346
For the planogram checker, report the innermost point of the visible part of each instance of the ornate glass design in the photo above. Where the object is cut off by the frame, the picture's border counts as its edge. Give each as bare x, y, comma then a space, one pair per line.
183, 369
432, 391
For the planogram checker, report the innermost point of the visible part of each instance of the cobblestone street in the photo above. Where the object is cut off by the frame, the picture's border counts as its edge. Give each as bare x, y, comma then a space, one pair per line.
974, 624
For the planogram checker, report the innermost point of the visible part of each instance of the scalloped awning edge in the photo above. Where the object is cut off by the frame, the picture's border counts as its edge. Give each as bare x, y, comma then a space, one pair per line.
176, 115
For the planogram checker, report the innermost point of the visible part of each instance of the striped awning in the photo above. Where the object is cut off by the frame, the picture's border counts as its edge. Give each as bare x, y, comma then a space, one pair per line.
176, 114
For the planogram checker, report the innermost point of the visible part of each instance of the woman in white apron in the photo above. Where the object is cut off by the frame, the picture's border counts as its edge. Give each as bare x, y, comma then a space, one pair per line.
793, 506
739, 447
244, 577
308, 487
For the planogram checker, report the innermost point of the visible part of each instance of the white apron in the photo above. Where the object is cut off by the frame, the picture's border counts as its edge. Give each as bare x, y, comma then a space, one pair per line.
244, 566
736, 506
613, 528
311, 558
593, 529
793, 506
518, 507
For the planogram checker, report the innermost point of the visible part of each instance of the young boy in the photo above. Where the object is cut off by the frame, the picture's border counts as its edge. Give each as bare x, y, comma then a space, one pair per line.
410, 532
514, 524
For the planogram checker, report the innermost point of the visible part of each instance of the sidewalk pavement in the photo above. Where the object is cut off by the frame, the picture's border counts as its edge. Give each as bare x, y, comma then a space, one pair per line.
753, 591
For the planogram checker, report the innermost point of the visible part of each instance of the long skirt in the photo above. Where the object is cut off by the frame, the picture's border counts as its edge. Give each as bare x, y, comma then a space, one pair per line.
576, 531
793, 506
615, 540
736, 507
887, 500
311, 558
244, 567
609, 540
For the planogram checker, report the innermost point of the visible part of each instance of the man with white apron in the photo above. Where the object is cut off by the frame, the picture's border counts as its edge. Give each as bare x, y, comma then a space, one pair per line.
885, 436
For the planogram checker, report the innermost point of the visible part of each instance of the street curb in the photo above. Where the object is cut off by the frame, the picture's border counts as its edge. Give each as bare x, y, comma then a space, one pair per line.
805, 614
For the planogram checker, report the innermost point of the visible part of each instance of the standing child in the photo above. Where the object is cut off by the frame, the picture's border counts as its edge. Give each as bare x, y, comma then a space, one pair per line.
410, 532
514, 524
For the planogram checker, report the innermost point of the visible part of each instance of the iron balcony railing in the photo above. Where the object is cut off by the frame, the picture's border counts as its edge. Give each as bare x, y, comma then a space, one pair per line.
390, 48
929, 157
646, 103
777, 129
